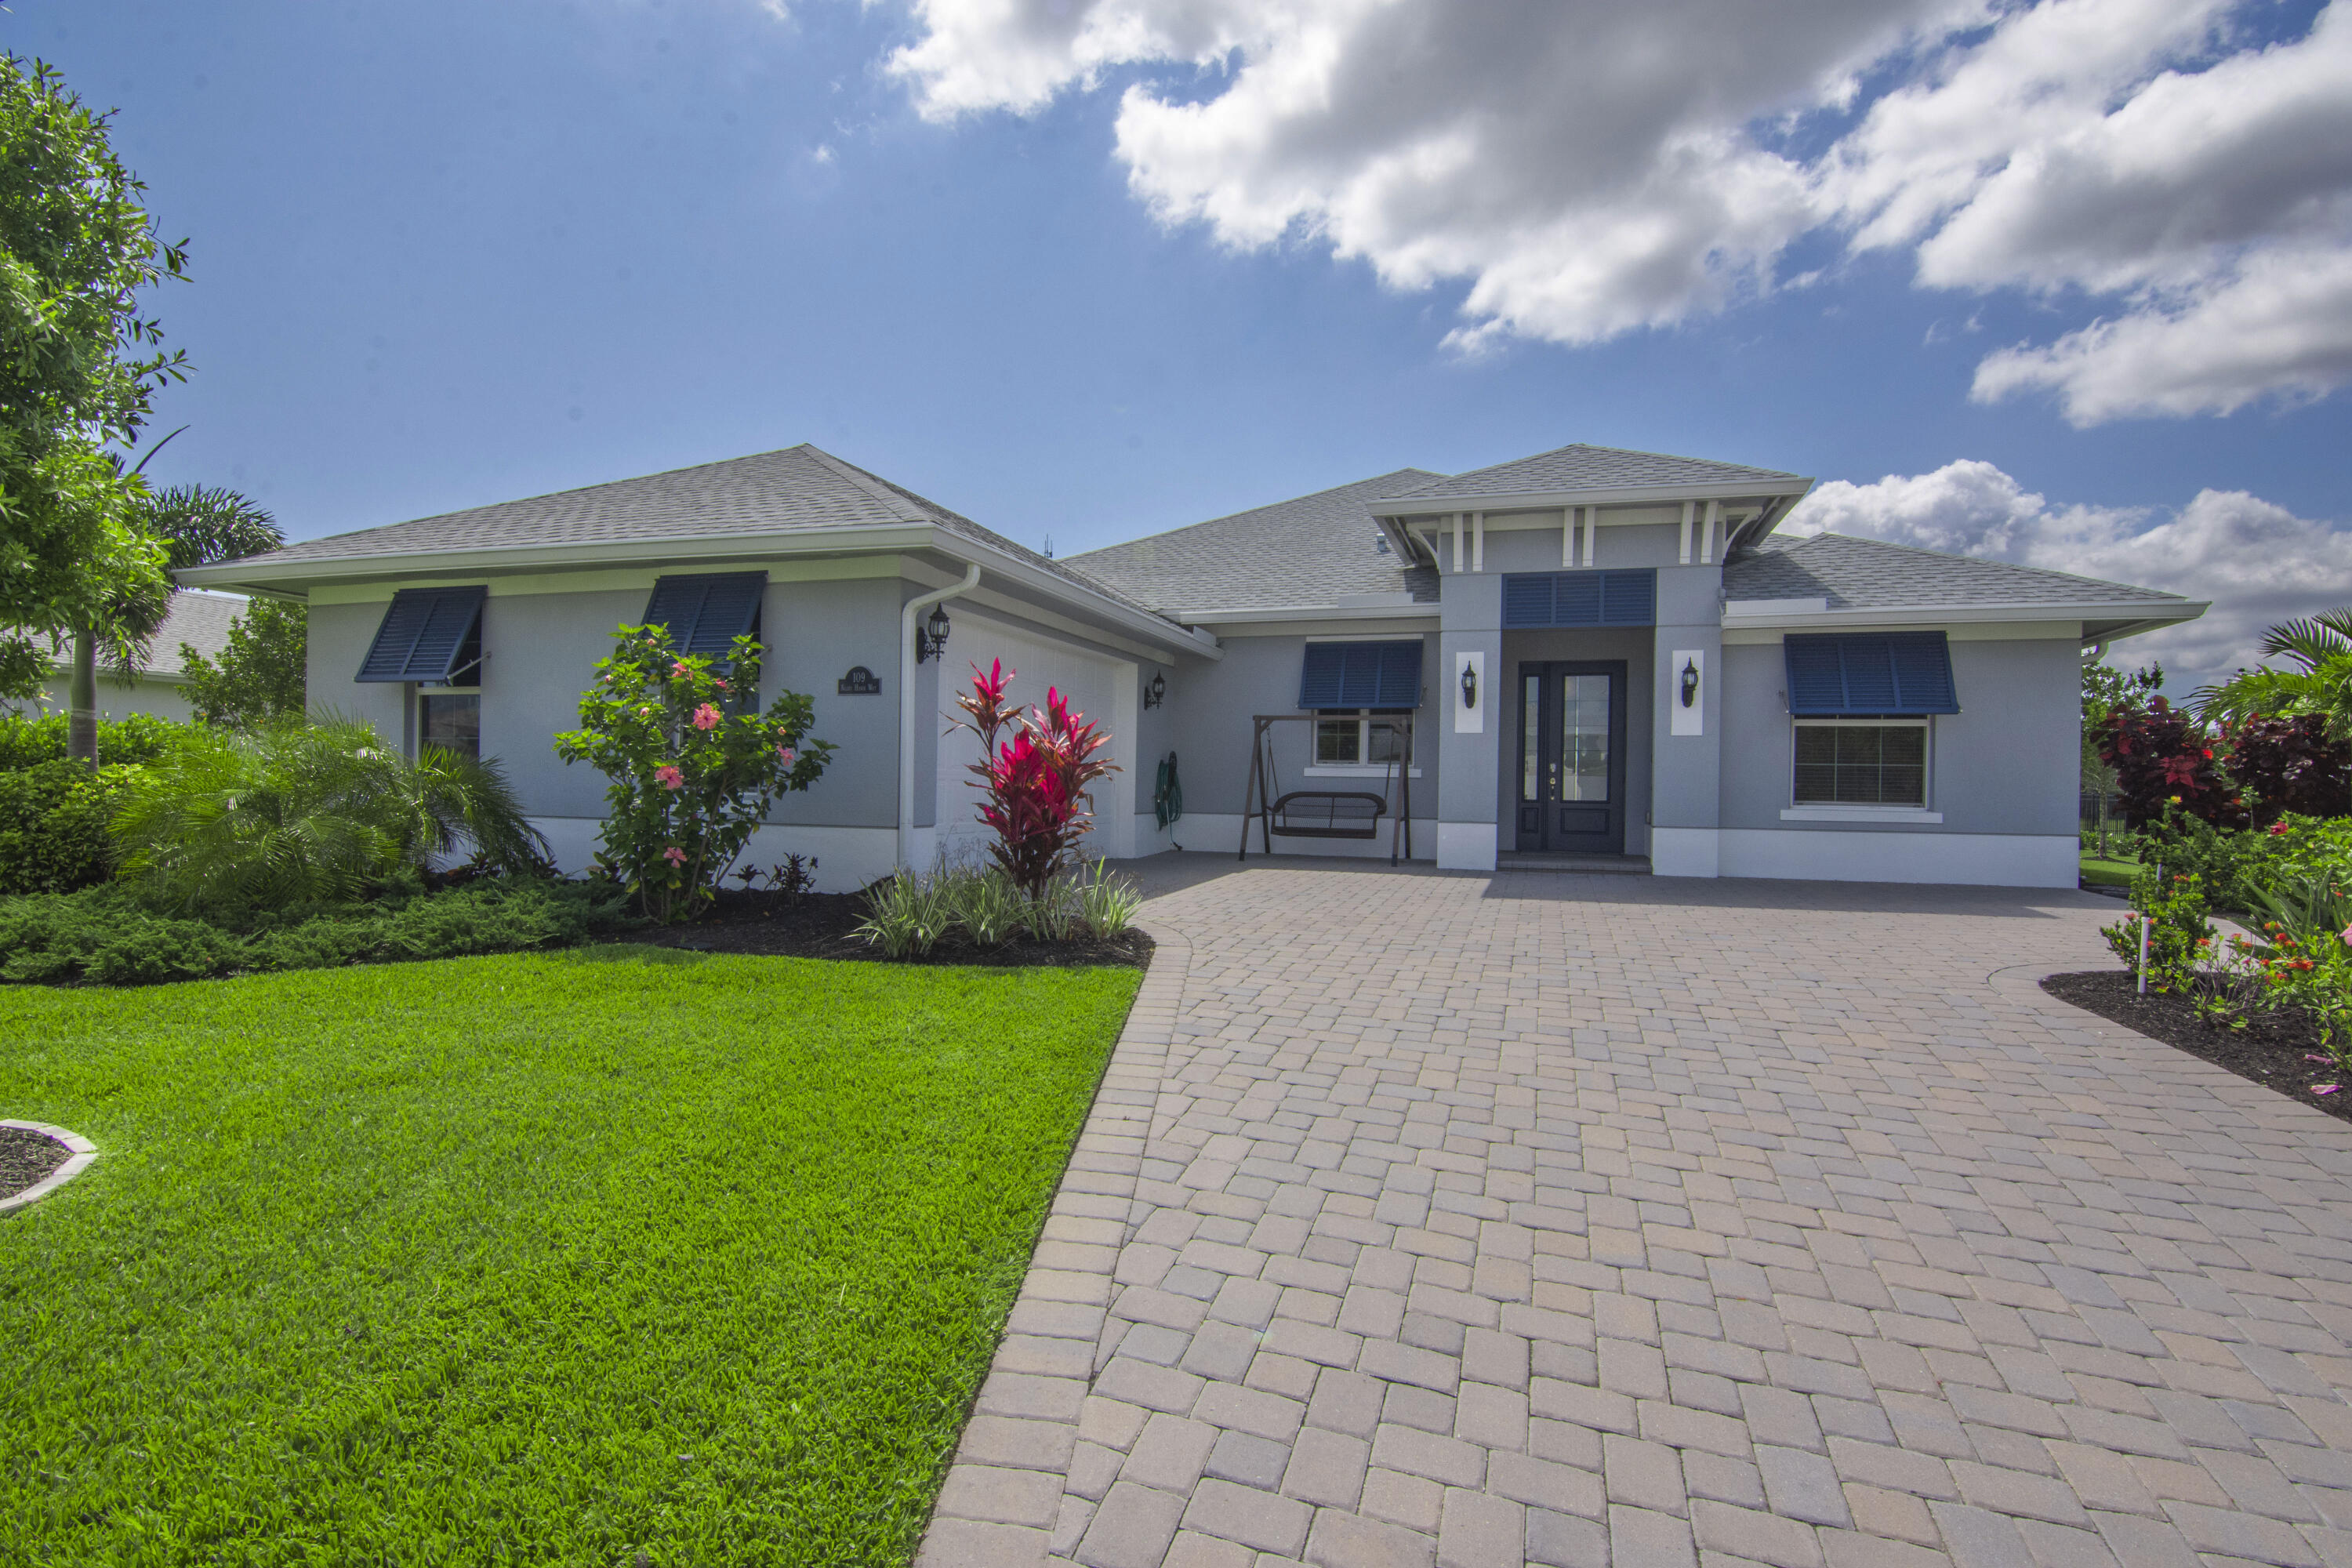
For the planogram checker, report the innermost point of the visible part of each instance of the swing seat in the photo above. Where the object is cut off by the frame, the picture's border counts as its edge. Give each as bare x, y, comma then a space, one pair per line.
1324, 814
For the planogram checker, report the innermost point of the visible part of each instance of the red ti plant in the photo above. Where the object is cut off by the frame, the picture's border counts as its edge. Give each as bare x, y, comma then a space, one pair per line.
1037, 786
2163, 758
2291, 764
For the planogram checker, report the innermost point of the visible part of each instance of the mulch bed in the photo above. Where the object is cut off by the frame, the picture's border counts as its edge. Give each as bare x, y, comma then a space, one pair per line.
2270, 1050
820, 925
28, 1158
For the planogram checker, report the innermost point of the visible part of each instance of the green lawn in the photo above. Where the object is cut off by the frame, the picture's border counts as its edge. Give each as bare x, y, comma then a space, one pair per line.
2101, 873
613, 1256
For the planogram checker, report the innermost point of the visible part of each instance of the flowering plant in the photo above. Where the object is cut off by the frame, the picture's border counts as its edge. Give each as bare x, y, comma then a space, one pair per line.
2163, 757
1036, 786
2178, 932
694, 766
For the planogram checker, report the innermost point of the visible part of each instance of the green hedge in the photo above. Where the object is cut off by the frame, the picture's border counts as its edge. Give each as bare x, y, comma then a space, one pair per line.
135, 738
53, 826
103, 934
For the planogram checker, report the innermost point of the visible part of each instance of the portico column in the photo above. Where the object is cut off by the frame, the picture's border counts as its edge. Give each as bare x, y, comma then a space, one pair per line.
1470, 731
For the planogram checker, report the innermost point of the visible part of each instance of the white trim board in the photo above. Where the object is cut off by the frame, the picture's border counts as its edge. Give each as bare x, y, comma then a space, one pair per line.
1974, 859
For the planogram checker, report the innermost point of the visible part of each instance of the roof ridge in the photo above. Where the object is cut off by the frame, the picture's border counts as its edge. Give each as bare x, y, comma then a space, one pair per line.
1253, 510
875, 485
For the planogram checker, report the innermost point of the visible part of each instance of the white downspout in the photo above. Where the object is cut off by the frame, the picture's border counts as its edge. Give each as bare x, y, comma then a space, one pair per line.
906, 616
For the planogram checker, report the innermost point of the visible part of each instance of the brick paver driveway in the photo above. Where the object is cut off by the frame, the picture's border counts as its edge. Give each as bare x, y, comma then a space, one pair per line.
1591, 1220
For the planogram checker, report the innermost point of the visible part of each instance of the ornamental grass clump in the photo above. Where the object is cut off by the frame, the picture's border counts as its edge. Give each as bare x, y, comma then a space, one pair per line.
694, 763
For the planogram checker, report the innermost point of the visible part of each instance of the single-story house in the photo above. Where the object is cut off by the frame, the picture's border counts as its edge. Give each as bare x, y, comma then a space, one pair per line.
1589, 656
197, 620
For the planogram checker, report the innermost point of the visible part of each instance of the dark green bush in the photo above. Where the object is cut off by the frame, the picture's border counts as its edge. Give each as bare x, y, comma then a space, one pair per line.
53, 826
135, 738
106, 935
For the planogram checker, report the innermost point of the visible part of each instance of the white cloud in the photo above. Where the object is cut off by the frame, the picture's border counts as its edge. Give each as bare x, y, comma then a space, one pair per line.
1586, 168
2257, 562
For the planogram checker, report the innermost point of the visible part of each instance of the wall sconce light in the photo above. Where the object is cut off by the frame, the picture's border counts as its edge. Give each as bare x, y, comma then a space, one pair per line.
1157, 693
1469, 685
932, 643
1690, 682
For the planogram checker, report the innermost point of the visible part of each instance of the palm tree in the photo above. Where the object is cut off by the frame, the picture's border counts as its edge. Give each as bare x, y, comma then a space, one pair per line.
196, 524
2319, 683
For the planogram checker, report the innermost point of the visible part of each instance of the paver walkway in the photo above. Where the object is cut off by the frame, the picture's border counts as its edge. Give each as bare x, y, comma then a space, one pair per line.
1432, 1219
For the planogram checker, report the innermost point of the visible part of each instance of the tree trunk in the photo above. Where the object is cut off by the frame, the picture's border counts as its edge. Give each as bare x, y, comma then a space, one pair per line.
81, 727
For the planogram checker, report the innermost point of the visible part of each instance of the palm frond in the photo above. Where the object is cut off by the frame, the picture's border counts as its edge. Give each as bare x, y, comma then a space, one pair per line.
2312, 640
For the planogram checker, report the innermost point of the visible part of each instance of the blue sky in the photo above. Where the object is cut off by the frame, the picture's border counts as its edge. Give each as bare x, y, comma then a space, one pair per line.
447, 254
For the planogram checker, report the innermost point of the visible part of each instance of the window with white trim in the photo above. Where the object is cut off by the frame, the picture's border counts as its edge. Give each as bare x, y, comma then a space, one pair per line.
1352, 737
1860, 762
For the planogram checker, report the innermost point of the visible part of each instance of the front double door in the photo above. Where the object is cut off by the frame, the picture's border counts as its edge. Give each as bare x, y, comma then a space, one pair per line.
1571, 772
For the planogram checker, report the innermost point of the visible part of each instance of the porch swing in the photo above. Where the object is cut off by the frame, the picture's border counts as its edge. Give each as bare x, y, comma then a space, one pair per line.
1325, 814
1380, 677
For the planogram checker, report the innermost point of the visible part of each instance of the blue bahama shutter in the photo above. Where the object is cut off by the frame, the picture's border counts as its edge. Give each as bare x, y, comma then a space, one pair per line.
1360, 675
425, 634
706, 615
1869, 675
1626, 597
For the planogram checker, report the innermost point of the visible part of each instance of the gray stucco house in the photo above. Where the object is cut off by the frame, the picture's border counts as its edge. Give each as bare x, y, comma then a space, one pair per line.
1589, 653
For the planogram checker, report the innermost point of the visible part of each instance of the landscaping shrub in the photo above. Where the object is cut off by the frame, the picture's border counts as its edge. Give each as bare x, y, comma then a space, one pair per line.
693, 766
108, 936
2180, 935
2229, 865
2291, 766
27, 742
53, 826
309, 813
2163, 757
1037, 787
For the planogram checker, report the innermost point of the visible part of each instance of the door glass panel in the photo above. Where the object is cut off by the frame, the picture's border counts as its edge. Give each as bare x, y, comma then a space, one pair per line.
1530, 741
1584, 738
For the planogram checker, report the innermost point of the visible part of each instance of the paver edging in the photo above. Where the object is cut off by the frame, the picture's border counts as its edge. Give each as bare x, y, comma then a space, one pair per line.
1002, 1495
84, 1151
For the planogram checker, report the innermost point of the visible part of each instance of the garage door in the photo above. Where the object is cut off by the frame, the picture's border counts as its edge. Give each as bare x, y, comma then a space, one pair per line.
1089, 680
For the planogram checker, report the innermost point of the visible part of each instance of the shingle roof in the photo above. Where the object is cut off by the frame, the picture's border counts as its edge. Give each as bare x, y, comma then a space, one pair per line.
1583, 468
798, 489
1871, 574
1309, 550
201, 619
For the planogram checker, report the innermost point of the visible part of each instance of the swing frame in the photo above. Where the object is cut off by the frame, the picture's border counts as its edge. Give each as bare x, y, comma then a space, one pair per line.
1259, 801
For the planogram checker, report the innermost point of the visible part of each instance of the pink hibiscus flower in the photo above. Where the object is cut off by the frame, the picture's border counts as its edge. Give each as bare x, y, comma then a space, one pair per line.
707, 717
668, 776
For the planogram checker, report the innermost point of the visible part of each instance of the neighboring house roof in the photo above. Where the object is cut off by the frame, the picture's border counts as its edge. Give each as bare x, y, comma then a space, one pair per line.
1871, 574
198, 618
1585, 467
798, 489
1312, 550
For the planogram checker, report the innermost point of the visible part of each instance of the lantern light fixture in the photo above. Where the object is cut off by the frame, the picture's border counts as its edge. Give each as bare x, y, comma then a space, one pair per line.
1469, 685
931, 638
1157, 693
1690, 681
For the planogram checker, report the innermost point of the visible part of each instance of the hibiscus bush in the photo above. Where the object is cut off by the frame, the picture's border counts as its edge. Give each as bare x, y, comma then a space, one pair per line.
694, 763
1037, 787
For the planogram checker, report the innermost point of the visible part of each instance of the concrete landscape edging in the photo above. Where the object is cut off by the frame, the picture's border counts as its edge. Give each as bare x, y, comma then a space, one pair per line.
84, 1151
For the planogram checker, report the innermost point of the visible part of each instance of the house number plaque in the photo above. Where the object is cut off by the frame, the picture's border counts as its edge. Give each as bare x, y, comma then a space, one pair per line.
860, 682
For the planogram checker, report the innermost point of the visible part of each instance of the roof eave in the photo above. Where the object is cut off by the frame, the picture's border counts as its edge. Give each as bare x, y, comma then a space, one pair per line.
1416, 611
2143, 615
262, 574
1607, 495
